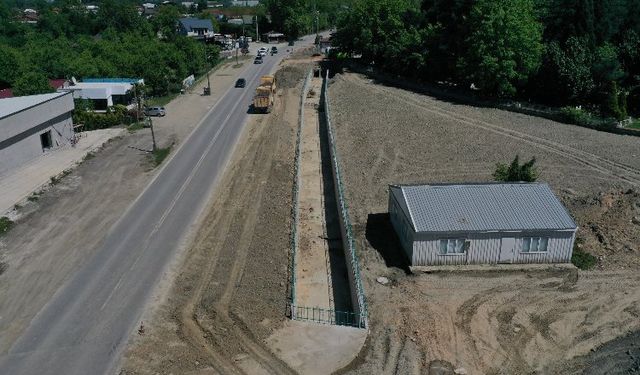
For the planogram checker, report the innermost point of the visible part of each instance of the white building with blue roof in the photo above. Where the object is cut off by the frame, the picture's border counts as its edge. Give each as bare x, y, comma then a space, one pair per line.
481, 224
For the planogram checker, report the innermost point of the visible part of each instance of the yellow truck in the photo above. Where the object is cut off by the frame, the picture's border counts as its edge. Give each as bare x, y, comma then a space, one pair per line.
265, 94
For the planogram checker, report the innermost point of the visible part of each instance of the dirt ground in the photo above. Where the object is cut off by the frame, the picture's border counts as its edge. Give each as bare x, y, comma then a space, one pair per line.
56, 233
514, 323
60, 228
231, 292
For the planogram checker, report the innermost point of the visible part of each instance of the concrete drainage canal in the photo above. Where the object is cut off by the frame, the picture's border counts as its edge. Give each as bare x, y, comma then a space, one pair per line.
320, 282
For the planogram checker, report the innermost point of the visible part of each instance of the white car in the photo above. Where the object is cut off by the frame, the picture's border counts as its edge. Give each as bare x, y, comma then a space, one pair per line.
262, 53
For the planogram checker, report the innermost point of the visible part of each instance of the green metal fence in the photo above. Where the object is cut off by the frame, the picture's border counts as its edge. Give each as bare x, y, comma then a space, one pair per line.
325, 316
317, 314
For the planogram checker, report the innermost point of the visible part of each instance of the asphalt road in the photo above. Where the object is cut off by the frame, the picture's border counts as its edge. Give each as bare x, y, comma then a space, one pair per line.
85, 326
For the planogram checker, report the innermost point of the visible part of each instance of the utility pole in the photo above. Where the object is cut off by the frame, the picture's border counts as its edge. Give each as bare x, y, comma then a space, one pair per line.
206, 66
257, 35
153, 136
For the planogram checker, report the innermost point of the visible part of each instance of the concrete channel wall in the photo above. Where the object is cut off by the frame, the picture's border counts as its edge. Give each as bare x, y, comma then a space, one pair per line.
295, 214
353, 265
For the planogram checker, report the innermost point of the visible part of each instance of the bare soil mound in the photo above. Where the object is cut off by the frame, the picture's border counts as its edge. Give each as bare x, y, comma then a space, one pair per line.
289, 76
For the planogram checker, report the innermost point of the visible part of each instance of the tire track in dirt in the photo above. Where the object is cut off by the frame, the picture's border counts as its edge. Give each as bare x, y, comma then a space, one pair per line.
603, 165
200, 325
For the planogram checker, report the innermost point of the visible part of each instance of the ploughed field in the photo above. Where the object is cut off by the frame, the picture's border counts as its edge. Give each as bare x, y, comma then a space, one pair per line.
514, 322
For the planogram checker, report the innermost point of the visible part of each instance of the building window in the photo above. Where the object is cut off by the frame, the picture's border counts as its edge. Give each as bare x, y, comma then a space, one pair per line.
454, 246
534, 244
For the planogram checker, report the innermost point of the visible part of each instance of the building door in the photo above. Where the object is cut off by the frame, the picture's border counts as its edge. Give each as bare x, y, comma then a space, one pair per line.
507, 249
45, 140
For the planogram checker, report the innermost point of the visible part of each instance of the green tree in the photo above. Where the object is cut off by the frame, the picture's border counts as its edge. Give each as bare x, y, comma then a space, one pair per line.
446, 22
31, 83
568, 75
9, 64
384, 32
515, 172
505, 46
201, 5
166, 21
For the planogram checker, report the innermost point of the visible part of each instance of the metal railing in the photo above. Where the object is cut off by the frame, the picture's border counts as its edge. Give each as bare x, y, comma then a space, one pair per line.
325, 316
360, 305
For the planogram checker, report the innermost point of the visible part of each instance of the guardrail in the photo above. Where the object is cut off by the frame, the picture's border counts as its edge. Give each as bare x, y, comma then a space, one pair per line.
348, 239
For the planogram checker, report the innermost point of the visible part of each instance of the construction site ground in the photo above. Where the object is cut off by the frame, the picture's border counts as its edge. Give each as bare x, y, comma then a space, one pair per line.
321, 274
17, 184
520, 322
59, 228
225, 313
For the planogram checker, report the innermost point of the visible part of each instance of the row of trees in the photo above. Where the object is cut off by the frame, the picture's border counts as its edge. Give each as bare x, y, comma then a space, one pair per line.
559, 52
298, 17
70, 42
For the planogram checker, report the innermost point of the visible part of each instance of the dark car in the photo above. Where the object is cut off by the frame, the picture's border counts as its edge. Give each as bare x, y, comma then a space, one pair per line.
274, 50
258, 60
241, 82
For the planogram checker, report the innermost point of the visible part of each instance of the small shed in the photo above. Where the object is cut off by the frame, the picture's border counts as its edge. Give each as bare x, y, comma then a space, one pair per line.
444, 224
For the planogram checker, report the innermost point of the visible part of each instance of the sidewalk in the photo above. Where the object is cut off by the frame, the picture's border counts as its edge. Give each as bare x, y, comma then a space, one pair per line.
19, 183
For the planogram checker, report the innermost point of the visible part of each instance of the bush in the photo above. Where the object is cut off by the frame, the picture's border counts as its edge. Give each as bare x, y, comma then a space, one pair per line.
515, 172
578, 116
5, 225
582, 259
93, 121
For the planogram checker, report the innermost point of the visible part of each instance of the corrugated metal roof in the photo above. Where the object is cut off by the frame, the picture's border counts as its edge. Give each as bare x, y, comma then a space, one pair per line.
485, 207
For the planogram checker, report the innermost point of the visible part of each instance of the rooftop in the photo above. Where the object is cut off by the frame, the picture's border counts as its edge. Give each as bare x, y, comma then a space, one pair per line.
483, 207
10, 106
196, 23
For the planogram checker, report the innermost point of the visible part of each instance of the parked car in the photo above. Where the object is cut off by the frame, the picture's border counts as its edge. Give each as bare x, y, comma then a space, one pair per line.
155, 111
241, 82
258, 60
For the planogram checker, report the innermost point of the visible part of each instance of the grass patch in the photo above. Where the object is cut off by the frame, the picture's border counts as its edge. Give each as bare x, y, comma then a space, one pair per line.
635, 124
161, 101
34, 196
583, 260
160, 154
135, 127
58, 178
5, 225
